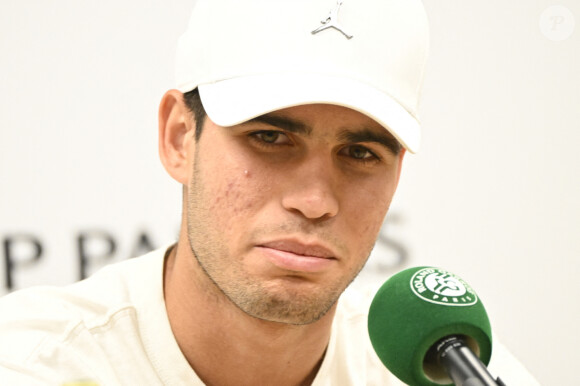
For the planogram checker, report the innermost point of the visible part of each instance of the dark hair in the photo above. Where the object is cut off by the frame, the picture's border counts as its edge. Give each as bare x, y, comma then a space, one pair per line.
193, 103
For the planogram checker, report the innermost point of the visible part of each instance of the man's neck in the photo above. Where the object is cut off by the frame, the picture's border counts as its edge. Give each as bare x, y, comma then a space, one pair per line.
224, 345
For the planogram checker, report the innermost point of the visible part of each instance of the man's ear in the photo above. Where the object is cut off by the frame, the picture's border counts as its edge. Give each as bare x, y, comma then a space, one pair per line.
176, 135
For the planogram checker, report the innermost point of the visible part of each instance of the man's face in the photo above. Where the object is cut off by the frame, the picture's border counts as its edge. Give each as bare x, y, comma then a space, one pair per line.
283, 211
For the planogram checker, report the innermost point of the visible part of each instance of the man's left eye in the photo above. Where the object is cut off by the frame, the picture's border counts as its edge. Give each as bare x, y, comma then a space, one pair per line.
359, 152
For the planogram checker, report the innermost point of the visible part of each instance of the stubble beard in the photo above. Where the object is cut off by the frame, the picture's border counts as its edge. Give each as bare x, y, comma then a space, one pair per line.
230, 282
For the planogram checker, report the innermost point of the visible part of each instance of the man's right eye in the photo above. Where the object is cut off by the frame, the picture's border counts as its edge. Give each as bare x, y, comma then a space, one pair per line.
271, 137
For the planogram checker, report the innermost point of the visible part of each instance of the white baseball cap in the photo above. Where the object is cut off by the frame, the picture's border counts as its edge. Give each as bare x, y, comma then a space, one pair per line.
251, 57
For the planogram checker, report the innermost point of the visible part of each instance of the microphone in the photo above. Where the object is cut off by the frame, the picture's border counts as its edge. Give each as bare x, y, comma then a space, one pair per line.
429, 328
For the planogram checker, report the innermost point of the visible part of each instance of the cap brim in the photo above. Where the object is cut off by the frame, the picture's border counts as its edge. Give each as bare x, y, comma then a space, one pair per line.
233, 101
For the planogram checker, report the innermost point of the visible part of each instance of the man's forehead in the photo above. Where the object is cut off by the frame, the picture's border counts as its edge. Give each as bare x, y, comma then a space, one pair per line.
321, 114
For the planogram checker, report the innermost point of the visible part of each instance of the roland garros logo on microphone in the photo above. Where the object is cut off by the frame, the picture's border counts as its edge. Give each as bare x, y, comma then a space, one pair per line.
442, 287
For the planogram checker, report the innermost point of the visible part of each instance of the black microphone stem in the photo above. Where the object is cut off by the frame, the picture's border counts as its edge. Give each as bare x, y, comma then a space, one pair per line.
462, 365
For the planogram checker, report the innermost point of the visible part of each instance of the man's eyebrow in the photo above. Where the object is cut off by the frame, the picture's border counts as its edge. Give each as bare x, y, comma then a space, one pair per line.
381, 137
283, 123
367, 135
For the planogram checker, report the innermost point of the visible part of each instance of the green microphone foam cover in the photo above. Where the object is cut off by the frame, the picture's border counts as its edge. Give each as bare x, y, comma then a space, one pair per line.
416, 308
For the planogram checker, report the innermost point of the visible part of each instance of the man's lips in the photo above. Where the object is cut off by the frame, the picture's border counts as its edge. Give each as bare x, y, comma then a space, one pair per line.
298, 248
299, 257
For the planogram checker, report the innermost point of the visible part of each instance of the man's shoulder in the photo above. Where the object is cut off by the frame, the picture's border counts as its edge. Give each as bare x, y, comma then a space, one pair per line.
34, 320
108, 288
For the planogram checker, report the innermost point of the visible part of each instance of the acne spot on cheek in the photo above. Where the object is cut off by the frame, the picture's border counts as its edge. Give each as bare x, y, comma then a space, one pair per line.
249, 205
232, 191
225, 197
234, 197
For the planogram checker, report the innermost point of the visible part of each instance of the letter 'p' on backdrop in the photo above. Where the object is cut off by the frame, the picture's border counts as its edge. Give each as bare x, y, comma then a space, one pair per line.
492, 195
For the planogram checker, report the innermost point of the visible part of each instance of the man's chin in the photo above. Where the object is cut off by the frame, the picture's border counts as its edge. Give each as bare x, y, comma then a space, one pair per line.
292, 309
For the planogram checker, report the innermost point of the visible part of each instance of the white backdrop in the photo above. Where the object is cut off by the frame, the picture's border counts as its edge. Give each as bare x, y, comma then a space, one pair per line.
492, 196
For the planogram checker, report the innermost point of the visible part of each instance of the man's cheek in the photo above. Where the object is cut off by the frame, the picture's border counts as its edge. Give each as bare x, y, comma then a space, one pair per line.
366, 222
233, 200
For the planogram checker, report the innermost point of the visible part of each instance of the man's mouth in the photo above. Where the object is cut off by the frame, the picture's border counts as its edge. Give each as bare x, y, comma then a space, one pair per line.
297, 256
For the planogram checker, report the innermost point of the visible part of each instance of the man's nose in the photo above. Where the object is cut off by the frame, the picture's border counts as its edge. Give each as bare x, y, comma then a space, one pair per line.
312, 191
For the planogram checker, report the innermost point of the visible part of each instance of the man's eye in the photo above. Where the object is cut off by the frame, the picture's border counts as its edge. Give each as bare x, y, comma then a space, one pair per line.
360, 153
271, 137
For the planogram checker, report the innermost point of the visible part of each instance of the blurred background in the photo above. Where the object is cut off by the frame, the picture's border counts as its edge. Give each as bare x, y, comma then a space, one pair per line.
492, 195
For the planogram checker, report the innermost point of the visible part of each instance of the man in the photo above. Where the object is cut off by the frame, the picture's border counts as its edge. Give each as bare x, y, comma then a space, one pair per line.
288, 140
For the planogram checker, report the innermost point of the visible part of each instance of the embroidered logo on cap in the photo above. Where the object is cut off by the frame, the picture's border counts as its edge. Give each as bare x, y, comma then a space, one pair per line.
332, 22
